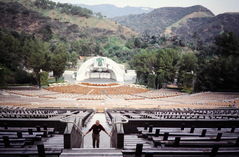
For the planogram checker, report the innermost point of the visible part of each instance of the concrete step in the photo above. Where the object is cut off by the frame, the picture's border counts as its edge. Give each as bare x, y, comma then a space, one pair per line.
110, 152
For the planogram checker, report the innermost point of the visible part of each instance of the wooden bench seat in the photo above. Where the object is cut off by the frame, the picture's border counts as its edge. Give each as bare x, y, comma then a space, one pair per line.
14, 140
14, 144
196, 130
30, 149
23, 133
29, 152
27, 137
200, 144
23, 129
173, 152
193, 138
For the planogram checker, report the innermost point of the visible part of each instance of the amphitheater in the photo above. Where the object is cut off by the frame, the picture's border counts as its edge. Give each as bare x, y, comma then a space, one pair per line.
142, 122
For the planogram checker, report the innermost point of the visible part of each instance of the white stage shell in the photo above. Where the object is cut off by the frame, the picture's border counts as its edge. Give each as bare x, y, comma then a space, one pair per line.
100, 67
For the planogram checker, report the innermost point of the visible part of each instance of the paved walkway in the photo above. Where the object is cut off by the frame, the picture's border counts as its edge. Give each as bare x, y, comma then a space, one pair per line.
104, 138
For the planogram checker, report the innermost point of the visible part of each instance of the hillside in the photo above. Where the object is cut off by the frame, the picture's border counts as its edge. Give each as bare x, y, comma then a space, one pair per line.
110, 11
159, 19
23, 15
182, 22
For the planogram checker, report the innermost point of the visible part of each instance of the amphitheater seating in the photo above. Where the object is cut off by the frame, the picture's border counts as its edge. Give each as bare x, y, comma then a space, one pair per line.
26, 141
156, 141
186, 113
21, 112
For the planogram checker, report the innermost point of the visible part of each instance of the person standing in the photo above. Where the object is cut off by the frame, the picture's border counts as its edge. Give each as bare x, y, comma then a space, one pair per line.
97, 127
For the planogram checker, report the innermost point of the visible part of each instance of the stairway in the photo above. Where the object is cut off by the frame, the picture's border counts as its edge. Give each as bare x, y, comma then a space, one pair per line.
93, 152
104, 138
88, 149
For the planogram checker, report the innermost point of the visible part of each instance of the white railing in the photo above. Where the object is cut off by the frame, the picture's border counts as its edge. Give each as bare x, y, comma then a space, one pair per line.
63, 120
119, 122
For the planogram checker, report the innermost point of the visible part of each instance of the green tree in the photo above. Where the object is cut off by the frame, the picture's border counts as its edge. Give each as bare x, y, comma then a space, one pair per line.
120, 28
76, 46
144, 63
137, 42
228, 44
59, 60
26, 52
187, 68
47, 33
7, 40
167, 65
74, 58
130, 44
37, 51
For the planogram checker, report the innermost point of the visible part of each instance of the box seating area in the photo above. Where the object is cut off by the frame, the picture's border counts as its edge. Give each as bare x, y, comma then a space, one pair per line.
125, 97
97, 91
83, 93
21, 112
92, 97
77, 92
161, 93
75, 89
205, 98
30, 141
97, 84
31, 92
223, 104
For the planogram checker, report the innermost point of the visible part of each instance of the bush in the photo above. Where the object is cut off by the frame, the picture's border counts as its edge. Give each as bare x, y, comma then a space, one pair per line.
122, 37
9, 79
21, 77
25, 12
15, 34
44, 78
13, 11
2, 78
151, 81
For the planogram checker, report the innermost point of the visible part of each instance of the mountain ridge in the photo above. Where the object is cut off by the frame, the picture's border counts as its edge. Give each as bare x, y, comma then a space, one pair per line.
182, 21
18, 20
110, 10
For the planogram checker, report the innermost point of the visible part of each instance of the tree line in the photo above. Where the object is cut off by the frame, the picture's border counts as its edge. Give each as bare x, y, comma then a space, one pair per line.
64, 8
208, 67
195, 71
19, 52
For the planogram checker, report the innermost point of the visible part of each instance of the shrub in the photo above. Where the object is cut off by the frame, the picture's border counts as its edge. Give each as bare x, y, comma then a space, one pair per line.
2, 77
122, 37
9, 79
44, 78
21, 77
25, 12
15, 34
13, 11
151, 81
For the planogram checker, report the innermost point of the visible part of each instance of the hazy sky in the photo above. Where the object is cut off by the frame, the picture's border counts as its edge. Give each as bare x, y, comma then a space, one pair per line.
216, 6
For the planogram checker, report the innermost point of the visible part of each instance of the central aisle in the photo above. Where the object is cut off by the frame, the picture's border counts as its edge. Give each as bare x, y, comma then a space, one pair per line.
104, 138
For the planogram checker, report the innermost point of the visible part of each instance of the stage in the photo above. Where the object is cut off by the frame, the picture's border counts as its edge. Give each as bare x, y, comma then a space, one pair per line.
100, 80
104, 81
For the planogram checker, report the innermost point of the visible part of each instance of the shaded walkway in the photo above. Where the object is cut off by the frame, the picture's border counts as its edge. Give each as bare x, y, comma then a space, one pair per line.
104, 138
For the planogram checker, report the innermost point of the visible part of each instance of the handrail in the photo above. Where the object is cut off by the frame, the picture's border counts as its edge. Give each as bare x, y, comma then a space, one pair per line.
119, 122
74, 124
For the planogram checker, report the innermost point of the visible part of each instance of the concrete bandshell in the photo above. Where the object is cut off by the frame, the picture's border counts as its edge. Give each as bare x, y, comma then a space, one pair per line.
108, 69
